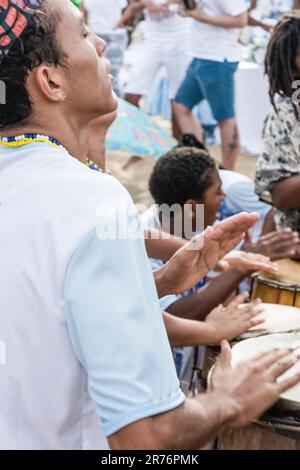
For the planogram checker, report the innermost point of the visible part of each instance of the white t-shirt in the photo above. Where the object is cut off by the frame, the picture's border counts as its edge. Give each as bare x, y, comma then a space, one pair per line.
265, 8
241, 197
79, 312
184, 357
104, 15
164, 26
212, 42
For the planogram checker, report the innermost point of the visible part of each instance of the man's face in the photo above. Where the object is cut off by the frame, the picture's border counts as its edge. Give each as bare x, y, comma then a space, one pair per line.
87, 79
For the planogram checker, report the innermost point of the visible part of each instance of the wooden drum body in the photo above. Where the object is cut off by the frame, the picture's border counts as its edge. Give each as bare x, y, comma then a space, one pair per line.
274, 431
281, 288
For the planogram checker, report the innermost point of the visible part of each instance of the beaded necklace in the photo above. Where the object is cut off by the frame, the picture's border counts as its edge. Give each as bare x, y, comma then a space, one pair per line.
26, 139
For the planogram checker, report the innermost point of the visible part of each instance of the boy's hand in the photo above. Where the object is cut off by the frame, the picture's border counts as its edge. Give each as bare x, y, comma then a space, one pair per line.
232, 321
243, 261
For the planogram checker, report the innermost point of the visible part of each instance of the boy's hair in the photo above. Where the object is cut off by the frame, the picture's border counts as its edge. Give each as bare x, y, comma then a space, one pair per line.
36, 45
183, 173
280, 57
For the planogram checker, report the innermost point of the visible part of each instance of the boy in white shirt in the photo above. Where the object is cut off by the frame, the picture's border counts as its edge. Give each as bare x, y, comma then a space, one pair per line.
213, 44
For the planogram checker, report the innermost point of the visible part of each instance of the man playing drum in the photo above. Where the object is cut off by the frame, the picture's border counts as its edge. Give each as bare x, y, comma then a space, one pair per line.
84, 353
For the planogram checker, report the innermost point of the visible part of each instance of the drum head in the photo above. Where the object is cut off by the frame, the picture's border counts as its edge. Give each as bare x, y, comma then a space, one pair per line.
288, 273
250, 348
277, 319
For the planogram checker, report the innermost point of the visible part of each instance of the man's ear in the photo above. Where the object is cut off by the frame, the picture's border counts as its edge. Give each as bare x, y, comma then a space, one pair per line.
49, 82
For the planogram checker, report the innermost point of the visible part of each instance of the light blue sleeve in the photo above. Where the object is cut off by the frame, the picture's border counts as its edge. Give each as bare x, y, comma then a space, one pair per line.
117, 331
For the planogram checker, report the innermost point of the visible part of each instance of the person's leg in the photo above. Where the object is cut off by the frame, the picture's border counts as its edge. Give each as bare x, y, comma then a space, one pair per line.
176, 63
186, 121
187, 97
230, 142
220, 90
143, 74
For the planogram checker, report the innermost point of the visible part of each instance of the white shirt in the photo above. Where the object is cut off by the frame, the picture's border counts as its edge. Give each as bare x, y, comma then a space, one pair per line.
104, 15
265, 8
79, 313
167, 26
213, 42
241, 197
184, 357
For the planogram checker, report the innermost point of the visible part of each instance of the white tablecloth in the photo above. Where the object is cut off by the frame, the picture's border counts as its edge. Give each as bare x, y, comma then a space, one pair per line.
252, 105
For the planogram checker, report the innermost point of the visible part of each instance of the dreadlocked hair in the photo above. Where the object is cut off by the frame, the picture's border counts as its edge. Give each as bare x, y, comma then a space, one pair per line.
280, 62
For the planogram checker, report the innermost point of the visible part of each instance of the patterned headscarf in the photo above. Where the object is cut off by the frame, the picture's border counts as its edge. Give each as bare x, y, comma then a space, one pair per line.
14, 17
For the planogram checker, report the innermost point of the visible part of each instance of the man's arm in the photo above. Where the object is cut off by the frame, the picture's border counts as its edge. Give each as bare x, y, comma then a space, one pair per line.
286, 194
186, 428
227, 21
130, 12
275, 245
239, 396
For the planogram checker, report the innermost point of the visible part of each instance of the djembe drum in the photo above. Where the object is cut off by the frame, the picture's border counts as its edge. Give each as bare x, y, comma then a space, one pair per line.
278, 319
282, 287
279, 429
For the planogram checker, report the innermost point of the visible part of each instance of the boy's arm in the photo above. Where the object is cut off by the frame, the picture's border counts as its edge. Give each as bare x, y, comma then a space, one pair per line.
198, 305
223, 323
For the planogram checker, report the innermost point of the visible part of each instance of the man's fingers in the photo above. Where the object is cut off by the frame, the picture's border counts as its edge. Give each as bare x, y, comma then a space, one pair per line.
283, 365
254, 322
224, 266
237, 224
252, 311
266, 267
248, 307
267, 359
224, 359
288, 383
239, 299
280, 245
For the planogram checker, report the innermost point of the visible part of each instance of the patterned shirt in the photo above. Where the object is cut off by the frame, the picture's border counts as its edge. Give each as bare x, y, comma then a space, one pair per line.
280, 158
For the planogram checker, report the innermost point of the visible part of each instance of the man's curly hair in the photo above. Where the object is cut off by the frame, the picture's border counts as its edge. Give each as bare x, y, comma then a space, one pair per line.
183, 173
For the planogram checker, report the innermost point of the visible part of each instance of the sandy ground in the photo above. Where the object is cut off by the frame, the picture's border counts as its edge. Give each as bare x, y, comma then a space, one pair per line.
134, 172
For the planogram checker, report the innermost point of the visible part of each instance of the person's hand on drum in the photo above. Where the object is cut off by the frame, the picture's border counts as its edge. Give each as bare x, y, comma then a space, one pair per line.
235, 319
193, 261
275, 245
252, 387
244, 261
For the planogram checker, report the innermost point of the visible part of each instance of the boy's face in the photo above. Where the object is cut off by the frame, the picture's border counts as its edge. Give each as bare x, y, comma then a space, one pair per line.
213, 199
193, 218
